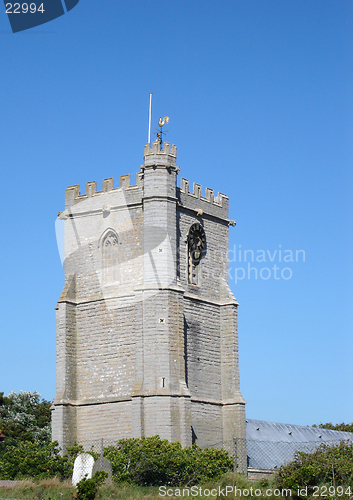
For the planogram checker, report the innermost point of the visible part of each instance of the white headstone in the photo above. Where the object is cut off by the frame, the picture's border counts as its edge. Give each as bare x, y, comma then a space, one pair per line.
83, 466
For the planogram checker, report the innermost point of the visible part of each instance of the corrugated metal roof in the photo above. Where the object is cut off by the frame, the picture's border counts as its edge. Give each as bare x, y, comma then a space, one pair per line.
270, 444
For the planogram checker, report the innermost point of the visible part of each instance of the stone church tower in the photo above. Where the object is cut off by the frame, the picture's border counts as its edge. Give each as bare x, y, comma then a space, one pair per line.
147, 337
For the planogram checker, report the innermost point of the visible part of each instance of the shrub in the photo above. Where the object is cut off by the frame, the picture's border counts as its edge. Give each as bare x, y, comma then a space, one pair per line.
328, 464
30, 460
87, 488
154, 462
143, 462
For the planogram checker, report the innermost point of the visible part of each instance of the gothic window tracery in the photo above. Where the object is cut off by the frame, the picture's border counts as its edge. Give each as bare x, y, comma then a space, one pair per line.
110, 258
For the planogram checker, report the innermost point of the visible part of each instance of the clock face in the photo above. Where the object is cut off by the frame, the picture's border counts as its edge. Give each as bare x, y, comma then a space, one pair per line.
197, 241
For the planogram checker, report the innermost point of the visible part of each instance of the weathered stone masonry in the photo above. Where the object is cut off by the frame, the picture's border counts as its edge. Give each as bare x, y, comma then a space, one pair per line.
141, 349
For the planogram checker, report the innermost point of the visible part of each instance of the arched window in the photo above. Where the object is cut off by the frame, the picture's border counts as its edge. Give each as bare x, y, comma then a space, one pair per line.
110, 258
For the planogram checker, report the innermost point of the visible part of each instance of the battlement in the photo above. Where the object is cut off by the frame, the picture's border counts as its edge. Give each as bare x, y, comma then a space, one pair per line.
154, 156
220, 200
216, 206
73, 194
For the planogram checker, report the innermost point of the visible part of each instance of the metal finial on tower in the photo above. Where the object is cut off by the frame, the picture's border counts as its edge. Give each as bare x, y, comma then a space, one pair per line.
160, 132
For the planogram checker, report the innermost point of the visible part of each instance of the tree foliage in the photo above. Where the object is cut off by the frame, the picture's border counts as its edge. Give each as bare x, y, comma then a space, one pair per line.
330, 464
337, 427
25, 417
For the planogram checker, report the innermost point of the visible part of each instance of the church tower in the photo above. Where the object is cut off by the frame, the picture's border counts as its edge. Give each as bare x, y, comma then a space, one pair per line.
147, 338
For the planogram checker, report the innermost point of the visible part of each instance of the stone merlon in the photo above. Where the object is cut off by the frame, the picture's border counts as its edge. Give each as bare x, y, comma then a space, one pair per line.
73, 195
209, 205
165, 157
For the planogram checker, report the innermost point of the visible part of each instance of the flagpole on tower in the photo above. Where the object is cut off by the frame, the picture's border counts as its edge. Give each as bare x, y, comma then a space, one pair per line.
149, 121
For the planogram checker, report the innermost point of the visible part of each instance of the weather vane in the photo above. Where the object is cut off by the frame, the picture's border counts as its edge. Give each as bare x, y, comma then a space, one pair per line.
160, 132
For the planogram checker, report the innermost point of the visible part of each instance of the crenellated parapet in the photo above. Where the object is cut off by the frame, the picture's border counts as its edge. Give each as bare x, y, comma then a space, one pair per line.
210, 204
155, 157
74, 196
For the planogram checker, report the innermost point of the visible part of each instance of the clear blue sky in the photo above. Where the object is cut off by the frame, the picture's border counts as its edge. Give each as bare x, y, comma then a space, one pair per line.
259, 95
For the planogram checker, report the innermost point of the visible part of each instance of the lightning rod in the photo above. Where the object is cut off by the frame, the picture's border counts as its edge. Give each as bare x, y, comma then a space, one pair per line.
149, 120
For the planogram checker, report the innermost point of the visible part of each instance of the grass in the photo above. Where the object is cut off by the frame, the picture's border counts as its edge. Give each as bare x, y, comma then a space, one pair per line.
54, 489
46, 488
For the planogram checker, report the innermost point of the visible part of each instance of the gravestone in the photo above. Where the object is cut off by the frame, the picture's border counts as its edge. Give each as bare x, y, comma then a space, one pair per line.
103, 464
83, 466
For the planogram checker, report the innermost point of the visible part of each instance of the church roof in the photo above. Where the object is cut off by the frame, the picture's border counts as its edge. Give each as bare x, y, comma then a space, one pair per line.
270, 444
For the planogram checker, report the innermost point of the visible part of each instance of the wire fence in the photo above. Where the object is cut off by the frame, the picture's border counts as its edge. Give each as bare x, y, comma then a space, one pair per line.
270, 455
247, 453
99, 446
240, 456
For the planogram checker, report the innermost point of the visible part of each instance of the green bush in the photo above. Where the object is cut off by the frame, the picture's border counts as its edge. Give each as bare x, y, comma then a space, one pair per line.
87, 488
143, 462
154, 462
327, 465
31, 460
